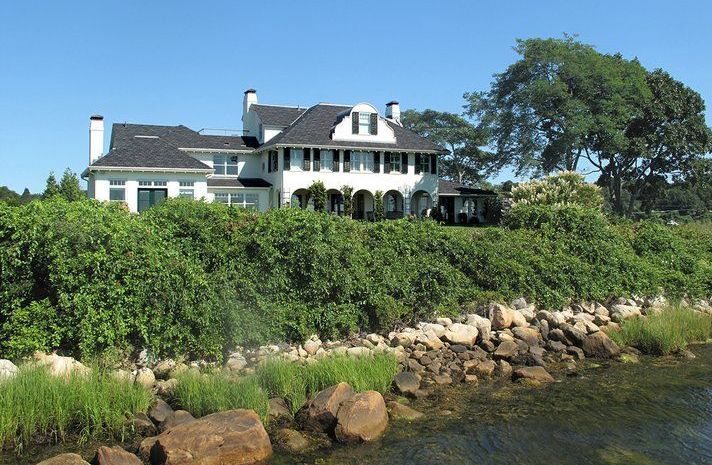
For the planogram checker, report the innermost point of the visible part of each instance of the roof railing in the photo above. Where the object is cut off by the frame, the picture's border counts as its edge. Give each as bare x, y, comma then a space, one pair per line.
222, 132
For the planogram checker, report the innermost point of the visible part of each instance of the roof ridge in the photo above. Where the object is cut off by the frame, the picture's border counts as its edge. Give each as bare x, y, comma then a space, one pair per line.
298, 107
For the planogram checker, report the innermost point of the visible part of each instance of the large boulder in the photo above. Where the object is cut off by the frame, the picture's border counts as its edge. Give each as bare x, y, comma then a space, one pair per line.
573, 334
60, 366
519, 320
163, 369
178, 417
407, 383
145, 378
501, 316
236, 437
362, 418
312, 345
621, 312
529, 335
236, 362
536, 373
160, 411
436, 328
459, 333
114, 456
600, 345
483, 325
430, 340
506, 350
7, 369
320, 413
64, 459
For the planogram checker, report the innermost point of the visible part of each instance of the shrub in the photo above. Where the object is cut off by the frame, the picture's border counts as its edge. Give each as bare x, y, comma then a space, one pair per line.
35, 403
565, 188
348, 193
378, 212
317, 192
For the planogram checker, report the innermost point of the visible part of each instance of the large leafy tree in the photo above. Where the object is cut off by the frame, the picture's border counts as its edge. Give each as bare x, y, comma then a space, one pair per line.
467, 161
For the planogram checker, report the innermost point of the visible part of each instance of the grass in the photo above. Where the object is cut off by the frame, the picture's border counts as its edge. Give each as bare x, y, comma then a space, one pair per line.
36, 404
202, 394
666, 332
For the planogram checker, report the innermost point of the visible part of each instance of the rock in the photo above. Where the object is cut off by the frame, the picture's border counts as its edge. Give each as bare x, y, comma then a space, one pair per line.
556, 346
407, 383
361, 418
312, 345
233, 436
7, 369
403, 412
558, 335
535, 373
575, 352
236, 362
485, 368
601, 320
459, 333
431, 341
358, 351
528, 335
504, 369
142, 425
403, 339
506, 350
163, 369
621, 312
60, 366
574, 335
65, 459
600, 345
414, 366
483, 325
471, 379
160, 411
688, 354
320, 412
458, 348
528, 312
629, 358
519, 303
443, 321
178, 417
500, 315
293, 441
518, 319
437, 329
145, 378
278, 408
114, 456
442, 379
165, 388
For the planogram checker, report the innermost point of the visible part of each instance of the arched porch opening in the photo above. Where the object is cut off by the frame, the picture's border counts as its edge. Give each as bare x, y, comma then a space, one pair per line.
335, 202
300, 199
393, 204
421, 203
363, 205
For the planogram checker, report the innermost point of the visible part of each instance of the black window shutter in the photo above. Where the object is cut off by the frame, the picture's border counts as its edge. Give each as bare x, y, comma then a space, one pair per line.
335, 161
376, 162
286, 159
434, 164
417, 163
373, 124
317, 160
354, 122
387, 162
306, 163
269, 162
347, 161
404, 163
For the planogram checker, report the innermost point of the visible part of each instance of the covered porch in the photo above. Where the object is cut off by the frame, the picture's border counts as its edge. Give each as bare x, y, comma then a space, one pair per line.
462, 204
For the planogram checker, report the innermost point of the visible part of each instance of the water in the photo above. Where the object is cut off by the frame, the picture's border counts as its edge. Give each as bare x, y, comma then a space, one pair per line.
655, 412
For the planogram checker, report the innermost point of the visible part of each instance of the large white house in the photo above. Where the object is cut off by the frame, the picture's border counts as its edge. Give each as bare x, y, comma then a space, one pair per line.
281, 152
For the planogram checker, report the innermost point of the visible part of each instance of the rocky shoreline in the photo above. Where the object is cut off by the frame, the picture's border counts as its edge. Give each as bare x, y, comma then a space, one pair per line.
514, 342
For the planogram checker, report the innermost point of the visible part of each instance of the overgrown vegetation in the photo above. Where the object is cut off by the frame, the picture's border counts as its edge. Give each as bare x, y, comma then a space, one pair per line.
666, 332
202, 394
37, 404
197, 279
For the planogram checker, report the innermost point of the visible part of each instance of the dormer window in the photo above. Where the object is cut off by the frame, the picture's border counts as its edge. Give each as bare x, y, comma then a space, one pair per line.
364, 123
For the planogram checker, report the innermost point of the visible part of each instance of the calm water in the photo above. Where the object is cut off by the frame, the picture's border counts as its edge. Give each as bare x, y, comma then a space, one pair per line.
655, 412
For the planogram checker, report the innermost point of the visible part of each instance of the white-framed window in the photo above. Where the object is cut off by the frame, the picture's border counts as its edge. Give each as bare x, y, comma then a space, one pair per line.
424, 164
187, 189
296, 159
117, 190
239, 199
395, 163
146, 183
327, 160
364, 123
225, 165
362, 162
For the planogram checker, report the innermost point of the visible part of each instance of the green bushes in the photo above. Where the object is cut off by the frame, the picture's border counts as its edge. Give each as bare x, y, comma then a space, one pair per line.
665, 332
34, 403
196, 279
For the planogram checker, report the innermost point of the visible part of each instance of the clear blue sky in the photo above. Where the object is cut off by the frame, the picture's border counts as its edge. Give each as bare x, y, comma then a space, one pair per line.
174, 62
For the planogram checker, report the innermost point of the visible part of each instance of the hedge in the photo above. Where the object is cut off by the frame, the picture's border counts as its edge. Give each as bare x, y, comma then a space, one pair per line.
197, 279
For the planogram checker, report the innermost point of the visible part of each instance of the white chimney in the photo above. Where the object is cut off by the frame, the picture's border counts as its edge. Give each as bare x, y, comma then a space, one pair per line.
393, 112
96, 137
249, 99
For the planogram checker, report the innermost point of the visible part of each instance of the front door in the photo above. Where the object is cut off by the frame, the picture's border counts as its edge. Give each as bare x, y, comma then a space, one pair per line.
150, 197
448, 204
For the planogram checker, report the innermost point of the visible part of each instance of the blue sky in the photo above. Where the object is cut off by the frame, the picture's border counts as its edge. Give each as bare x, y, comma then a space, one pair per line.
189, 62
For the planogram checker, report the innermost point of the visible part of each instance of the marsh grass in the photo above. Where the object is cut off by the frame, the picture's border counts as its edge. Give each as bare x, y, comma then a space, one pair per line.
35, 404
666, 332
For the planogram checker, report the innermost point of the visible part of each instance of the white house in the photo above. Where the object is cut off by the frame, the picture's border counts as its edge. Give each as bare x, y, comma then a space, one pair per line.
281, 152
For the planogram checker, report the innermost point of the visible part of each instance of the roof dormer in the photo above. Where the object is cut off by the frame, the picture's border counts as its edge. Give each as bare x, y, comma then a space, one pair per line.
362, 123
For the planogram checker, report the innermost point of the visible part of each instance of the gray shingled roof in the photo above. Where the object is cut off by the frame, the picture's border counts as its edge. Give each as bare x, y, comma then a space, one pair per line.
456, 188
180, 136
238, 182
274, 115
148, 152
315, 125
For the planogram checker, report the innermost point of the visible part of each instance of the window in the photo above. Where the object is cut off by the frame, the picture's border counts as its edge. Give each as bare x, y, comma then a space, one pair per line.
424, 164
225, 165
117, 191
239, 199
362, 162
296, 158
275, 160
395, 162
327, 160
364, 123
152, 183
221, 197
187, 189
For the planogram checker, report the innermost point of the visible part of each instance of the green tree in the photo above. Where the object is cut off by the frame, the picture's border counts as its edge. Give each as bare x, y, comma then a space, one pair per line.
378, 213
51, 187
467, 160
317, 192
348, 193
69, 186
9, 196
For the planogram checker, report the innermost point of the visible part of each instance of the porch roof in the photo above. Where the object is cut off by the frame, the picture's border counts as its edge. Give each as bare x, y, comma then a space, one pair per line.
457, 189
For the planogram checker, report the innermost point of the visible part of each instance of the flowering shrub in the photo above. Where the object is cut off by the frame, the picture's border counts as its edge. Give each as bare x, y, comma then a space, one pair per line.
565, 188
